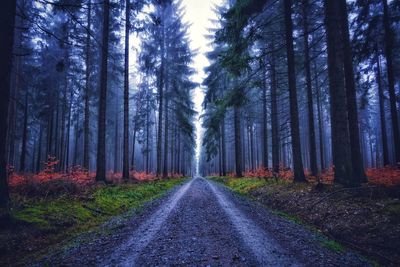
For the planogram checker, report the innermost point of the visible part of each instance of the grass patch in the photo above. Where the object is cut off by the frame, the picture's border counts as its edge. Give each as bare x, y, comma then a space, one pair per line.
245, 185
332, 245
289, 217
101, 204
240, 185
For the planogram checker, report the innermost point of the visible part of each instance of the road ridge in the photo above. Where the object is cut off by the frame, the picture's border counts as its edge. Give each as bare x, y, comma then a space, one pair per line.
141, 237
264, 248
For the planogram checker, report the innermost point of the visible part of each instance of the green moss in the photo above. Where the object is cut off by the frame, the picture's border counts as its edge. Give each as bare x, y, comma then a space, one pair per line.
241, 185
332, 245
393, 208
289, 217
104, 202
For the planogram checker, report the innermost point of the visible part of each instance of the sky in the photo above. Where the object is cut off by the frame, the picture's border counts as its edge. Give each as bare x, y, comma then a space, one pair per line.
199, 14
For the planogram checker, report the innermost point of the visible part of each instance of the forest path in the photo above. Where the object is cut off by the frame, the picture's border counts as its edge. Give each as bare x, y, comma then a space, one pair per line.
202, 223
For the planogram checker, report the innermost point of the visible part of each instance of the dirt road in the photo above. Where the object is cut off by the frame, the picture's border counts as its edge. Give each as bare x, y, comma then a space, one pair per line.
203, 224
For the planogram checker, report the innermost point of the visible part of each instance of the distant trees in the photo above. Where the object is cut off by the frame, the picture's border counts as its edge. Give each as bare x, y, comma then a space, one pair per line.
166, 58
72, 82
258, 44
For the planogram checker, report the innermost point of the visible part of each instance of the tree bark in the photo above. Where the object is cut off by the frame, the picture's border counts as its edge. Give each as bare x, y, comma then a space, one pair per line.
86, 127
385, 150
101, 139
125, 167
223, 147
390, 73
320, 122
160, 106
264, 120
166, 122
339, 117
24, 134
294, 114
7, 21
274, 116
238, 142
358, 167
310, 105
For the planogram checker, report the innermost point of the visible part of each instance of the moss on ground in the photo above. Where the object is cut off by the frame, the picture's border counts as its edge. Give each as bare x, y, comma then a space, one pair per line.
332, 245
100, 205
240, 185
245, 185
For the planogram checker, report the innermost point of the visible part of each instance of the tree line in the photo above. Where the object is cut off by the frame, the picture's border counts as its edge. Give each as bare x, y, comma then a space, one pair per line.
305, 85
71, 93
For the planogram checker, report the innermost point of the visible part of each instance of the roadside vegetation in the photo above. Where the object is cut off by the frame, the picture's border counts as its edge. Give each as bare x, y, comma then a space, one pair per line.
365, 219
53, 211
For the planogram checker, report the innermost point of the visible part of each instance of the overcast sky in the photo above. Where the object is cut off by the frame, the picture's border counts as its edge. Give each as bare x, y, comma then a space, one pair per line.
199, 13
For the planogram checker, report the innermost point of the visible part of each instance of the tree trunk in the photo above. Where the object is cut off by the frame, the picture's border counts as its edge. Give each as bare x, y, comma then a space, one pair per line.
116, 139
7, 20
24, 134
223, 147
68, 131
238, 142
382, 112
320, 122
310, 105
86, 127
125, 167
133, 167
274, 116
294, 114
165, 169
390, 73
160, 106
39, 156
339, 117
101, 139
264, 120
358, 167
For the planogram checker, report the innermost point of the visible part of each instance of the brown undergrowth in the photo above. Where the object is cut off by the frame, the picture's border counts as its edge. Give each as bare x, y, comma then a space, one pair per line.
366, 219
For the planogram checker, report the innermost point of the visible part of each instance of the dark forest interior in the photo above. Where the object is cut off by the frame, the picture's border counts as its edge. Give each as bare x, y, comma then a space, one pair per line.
297, 108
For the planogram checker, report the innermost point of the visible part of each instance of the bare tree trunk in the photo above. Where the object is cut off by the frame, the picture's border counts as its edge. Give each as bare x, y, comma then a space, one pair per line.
264, 120
68, 131
339, 117
116, 139
358, 167
133, 167
320, 122
310, 105
39, 156
24, 134
125, 167
165, 169
7, 19
294, 113
101, 139
76, 141
382, 112
390, 73
147, 139
223, 147
238, 142
274, 116
160, 106
86, 128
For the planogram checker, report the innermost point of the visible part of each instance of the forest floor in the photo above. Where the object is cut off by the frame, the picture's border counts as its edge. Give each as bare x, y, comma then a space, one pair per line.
202, 223
48, 215
365, 219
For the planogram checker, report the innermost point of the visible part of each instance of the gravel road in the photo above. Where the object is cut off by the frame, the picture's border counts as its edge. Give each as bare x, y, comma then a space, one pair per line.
202, 223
